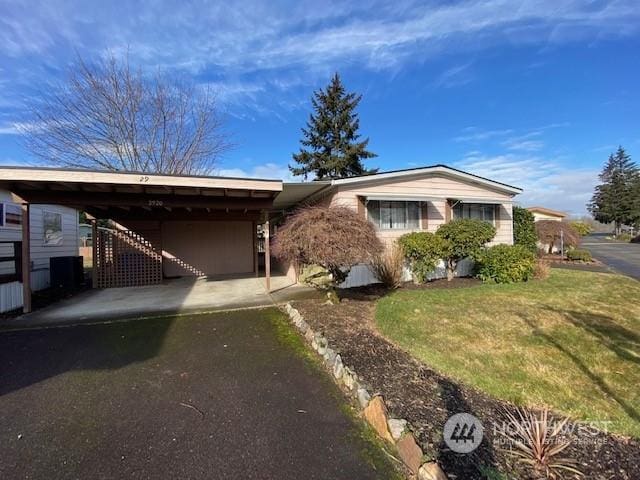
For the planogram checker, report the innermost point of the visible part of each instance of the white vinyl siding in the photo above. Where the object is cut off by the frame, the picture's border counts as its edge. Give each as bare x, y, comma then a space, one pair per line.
40, 253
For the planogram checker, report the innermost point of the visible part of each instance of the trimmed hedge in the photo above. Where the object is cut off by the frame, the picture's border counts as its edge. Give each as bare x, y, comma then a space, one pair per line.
423, 250
579, 255
506, 264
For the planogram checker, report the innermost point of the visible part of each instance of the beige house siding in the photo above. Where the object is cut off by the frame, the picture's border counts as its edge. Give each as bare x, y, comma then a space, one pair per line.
427, 186
543, 216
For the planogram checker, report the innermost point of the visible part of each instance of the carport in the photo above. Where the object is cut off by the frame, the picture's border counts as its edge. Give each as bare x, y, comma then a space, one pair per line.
165, 225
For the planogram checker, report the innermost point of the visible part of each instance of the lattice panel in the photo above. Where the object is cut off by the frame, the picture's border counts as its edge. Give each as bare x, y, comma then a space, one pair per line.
126, 259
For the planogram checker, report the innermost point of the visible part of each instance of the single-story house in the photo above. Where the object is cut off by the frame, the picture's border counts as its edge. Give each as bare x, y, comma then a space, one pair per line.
173, 225
542, 213
53, 233
403, 201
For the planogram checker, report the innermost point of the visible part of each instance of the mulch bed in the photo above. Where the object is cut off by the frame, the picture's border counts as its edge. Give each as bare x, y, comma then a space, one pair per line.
427, 399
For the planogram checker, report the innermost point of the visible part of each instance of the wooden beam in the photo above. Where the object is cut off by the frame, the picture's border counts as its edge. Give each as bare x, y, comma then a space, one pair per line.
162, 214
267, 253
256, 268
142, 199
26, 259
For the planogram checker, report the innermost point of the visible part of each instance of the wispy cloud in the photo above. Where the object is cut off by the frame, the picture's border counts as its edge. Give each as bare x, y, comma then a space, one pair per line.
545, 181
529, 142
253, 37
475, 134
455, 76
267, 170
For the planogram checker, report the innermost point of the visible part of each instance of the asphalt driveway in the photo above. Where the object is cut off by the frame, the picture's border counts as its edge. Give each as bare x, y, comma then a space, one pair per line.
229, 395
623, 257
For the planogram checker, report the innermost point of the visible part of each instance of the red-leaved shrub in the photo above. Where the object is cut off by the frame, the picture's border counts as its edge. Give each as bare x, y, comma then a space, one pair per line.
335, 238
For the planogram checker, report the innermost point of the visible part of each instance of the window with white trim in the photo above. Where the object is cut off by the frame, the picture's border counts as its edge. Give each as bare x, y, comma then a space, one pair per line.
10, 215
394, 215
475, 211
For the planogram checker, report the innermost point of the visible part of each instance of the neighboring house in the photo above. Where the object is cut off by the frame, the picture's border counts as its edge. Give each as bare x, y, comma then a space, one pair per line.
54, 233
180, 225
419, 199
541, 213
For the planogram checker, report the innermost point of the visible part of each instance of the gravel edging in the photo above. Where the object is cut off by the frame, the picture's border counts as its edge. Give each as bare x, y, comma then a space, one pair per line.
395, 431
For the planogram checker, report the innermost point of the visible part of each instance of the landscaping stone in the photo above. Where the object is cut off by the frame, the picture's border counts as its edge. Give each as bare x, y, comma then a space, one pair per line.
397, 427
363, 397
410, 452
349, 378
309, 334
322, 345
303, 326
376, 414
431, 471
338, 368
330, 356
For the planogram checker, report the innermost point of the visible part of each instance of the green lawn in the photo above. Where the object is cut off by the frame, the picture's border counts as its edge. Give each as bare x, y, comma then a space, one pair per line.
571, 342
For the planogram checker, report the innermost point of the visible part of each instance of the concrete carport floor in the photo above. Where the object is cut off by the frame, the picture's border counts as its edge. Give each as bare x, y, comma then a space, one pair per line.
187, 294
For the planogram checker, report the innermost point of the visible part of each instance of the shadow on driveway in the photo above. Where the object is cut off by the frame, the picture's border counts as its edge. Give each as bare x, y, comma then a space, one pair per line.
205, 396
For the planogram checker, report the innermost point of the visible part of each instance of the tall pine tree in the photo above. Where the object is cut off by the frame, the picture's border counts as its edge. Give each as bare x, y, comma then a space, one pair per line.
331, 147
616, 198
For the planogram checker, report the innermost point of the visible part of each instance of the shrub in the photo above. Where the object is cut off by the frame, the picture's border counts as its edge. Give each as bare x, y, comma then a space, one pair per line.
624, 237
549, 233
464, 238
506, 264
388, 267
579, 255
335, 238
581, 227
542, 270
423, 250
524, 229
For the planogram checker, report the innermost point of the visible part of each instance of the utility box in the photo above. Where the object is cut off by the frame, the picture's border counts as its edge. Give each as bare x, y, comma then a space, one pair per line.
66, 272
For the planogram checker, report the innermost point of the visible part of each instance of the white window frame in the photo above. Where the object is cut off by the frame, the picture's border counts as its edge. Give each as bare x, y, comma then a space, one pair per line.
491, 206
406, 212
4, 216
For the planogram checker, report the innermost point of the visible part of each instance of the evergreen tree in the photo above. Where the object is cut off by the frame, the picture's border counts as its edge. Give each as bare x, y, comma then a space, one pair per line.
331, 147
616, 198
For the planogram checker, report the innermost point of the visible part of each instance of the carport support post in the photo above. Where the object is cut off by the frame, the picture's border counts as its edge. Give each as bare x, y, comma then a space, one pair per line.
267, 254
26, 259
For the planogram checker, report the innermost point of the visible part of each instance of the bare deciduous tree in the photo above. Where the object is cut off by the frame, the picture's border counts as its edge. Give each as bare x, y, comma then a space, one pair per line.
111, 117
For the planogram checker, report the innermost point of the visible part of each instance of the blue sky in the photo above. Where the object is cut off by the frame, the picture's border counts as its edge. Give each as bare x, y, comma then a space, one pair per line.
532, 93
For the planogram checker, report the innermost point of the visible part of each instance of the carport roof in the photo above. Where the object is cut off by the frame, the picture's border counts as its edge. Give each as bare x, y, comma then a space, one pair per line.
100, 192
88, 179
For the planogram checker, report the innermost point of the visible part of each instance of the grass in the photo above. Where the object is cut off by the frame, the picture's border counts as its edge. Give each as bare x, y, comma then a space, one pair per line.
571, 342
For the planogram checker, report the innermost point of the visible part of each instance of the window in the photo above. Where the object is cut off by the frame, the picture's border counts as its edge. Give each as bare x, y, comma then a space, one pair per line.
10, 215
389, 215
52, 227
475, 211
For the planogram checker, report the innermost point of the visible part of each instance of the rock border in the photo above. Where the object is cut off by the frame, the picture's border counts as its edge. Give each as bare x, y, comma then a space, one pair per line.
395, 431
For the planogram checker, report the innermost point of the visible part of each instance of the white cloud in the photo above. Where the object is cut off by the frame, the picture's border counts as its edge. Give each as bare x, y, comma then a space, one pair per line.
529, 142
544, 181
455, 76
475, 134
268, 171
257, 36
